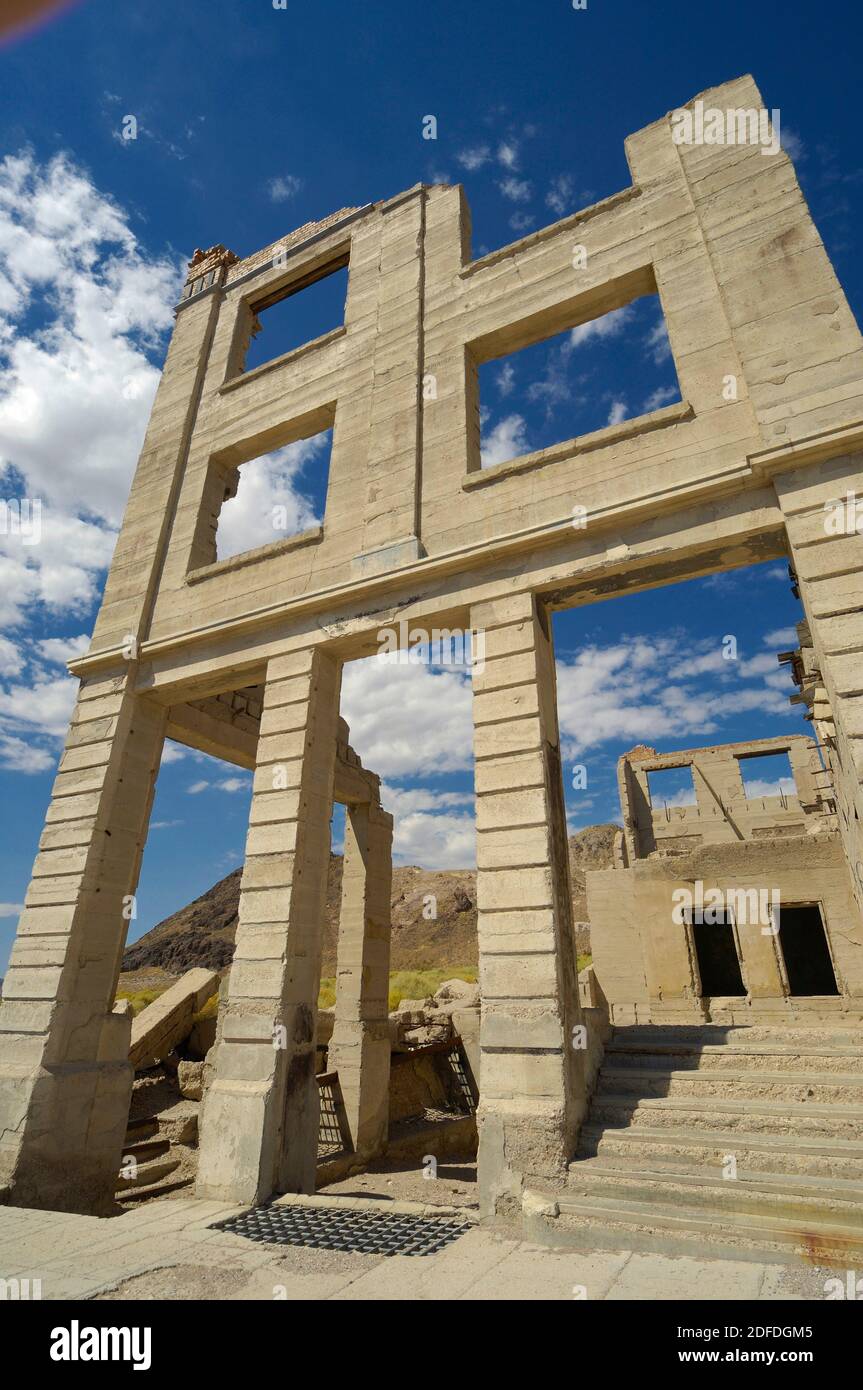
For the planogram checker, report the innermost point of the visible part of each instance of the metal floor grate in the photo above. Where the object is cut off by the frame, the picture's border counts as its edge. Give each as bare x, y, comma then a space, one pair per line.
362, 1232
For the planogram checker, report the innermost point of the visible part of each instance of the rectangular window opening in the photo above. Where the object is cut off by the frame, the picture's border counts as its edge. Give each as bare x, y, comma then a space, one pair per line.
600, 373
767, 774
275, 496
671, 786
296, 316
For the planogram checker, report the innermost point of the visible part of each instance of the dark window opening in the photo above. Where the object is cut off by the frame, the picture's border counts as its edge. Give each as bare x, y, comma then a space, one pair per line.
767, 774
803, 941
718, 962
671, 786
297, 317
276, 496
600, 373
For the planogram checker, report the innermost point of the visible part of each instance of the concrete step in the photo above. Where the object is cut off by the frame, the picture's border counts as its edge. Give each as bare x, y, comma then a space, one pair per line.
650, 1036
160, 1188
147, 1174
733, 1057
811, 1086
145, 1149
620, 1224
759, 1153
812, 1120
801, 1200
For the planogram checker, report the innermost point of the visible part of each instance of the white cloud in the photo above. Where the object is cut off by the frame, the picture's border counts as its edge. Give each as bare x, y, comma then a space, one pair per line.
222, 784
560, 195
646, 689
521, 221
759, 786
507, 440
11, 909
473, 158
435, 842
618, 412
173, 752
408, 720
402, 801
516, 190
284, 187
661, 396
267, 484
507, 154
784, 637
505, 379
17, 755
11, 658
657, 342
59, 650
45, 706
792, 144
610, 325
81, 307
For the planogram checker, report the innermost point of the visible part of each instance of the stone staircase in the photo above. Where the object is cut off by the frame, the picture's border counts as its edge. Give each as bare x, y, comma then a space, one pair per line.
162, 1147
674, 1105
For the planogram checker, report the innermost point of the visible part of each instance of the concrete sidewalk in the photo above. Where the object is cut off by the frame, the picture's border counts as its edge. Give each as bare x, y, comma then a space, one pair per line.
166, 1250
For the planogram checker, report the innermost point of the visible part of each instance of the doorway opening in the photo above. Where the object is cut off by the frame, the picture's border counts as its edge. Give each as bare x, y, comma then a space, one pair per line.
716, 954
803, 943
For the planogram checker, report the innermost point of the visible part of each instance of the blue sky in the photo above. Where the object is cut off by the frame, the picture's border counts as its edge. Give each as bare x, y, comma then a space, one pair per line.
251, 121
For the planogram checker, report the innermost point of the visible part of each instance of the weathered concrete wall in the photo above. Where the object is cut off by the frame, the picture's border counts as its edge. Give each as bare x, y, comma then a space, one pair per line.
414, 529
644, 959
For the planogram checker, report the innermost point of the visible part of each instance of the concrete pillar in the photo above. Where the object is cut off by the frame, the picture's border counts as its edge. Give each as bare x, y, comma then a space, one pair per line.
360, 1046
65, 1078
259, 1129
821, 505
532, 1088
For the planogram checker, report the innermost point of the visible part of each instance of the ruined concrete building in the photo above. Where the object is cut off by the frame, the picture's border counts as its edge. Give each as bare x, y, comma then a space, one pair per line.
242, 657
728, 907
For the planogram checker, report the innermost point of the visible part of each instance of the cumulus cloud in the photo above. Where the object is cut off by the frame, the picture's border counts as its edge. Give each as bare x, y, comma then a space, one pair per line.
646, 689
269, 504
782, 637
618, 412
59, 650
82, 309
608, 326
761, 786
408, 720
507, 440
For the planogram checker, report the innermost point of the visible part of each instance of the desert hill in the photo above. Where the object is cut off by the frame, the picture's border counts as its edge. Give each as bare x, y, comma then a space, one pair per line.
202, 933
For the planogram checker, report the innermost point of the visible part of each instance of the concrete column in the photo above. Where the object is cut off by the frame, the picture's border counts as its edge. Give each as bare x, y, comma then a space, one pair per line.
260, 1117
827, 553
532, 1087
360, 1046
65, 1078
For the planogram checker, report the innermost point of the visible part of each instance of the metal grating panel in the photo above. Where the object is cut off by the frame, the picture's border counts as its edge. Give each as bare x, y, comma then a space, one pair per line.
346, 1229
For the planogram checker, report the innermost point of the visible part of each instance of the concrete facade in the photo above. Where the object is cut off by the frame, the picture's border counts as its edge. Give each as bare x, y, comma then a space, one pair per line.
756, 856
415, 529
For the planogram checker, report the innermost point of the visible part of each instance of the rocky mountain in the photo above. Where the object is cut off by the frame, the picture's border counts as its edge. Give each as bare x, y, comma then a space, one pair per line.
202, 933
